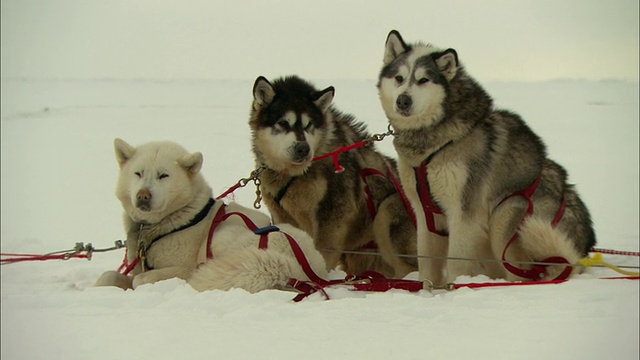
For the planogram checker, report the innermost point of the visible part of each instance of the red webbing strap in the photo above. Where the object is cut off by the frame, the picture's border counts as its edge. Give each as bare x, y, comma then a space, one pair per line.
364, 174
334, 155
316, 283
15, 258
217, 219
403, 196
527, 194
560, 214
229, 191
304, 263
263, 232
538, 271
374, 281
127, 268
424, 193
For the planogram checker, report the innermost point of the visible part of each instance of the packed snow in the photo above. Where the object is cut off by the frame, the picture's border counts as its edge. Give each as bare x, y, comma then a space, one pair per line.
58, 174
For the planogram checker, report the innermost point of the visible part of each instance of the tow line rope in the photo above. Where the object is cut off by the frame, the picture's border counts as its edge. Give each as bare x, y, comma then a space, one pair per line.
375, 282
80, 251
367, 281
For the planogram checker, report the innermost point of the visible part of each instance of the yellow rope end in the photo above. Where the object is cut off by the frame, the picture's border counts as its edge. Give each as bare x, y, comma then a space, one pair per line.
597, 260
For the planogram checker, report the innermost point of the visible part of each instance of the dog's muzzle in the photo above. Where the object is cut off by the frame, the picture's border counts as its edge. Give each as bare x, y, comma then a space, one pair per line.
143, 200
300, 152
404, 104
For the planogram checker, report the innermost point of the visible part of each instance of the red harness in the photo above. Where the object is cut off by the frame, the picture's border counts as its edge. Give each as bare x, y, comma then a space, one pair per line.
430, 208
371, 206
306, 288
538, 271
424, 193
365, 173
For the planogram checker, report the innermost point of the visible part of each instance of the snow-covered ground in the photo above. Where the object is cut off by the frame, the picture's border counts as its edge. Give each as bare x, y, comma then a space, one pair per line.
58, 177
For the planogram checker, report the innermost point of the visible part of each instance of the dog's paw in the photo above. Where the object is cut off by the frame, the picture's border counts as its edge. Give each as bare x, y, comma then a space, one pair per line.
114, 278
144, 278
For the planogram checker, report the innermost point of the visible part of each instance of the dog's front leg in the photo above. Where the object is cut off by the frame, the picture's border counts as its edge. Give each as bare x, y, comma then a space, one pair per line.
114, 278
155, 275
432, 256
468, 249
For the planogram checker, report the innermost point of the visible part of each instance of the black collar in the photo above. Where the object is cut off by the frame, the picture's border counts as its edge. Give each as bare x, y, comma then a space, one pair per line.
283, 191
430, 157
196, 219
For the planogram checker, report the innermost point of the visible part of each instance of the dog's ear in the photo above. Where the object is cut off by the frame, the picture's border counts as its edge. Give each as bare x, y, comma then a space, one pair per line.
192, 163
263, 92
322, 99
124, 151
448, 64
393, 47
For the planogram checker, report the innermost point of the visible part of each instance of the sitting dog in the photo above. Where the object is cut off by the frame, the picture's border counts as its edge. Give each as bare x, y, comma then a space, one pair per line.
479, 179
350, 206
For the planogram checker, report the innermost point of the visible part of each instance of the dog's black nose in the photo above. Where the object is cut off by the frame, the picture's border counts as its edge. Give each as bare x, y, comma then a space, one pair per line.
404, 102
301, 151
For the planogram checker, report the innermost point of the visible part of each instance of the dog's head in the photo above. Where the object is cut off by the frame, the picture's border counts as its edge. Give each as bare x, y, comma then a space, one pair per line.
156, 179
413, 82
289, 122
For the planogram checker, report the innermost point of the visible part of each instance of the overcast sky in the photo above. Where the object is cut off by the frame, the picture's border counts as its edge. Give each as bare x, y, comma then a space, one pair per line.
330, 39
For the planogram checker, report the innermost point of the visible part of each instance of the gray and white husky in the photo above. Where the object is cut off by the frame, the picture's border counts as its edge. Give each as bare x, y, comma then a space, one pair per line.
478, 178
292, 123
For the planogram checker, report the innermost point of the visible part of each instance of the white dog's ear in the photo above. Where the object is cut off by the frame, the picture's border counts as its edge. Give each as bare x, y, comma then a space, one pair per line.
124, 151
448, 63
192, 163
393, 47
322, 99
263, 92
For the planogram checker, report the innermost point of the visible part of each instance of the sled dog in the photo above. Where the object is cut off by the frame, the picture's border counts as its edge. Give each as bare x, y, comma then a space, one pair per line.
292, 123
176, 229
479, 179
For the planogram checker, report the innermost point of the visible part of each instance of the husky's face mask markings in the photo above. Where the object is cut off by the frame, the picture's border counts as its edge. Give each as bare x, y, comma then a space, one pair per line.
413, 82
287, 129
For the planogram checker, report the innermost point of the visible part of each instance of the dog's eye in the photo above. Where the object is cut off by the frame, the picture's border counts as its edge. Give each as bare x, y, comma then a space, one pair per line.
163, 176
138, 174
399, 79
284, 124
423, 81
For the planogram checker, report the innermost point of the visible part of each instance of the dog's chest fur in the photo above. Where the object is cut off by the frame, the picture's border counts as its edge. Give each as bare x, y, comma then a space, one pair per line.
446, 179
294, 200
184, 248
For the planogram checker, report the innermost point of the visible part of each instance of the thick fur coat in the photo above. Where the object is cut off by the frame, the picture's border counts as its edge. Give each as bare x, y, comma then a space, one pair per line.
168, 211
477, 158
292, 123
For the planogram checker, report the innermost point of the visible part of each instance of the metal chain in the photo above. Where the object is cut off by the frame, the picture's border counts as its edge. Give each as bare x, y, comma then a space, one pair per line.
255, 176
88, 248
380, 137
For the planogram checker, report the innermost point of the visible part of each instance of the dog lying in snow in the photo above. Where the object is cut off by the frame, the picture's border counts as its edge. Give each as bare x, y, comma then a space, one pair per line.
176, 229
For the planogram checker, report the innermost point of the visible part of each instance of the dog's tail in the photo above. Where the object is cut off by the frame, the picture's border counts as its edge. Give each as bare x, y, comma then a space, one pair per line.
540, 240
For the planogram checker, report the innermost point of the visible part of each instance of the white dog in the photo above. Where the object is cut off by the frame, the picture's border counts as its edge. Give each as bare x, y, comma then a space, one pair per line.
176, 229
